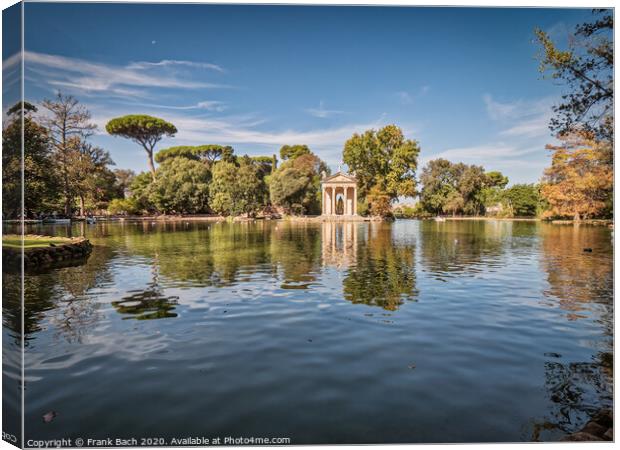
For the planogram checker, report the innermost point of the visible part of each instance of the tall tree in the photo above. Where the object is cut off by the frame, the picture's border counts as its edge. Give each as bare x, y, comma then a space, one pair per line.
145, 130
88, 174
579, 183
385, 159
67, 120
586, 67
296, 184
236, 189
40, 183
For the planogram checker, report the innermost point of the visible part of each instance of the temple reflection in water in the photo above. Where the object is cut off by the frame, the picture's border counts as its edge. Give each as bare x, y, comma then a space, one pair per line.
339, 244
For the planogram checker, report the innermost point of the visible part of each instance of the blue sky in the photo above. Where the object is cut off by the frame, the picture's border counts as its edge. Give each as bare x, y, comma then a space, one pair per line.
464, 82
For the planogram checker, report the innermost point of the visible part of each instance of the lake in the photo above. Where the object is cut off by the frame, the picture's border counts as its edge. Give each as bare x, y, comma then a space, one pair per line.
412, 331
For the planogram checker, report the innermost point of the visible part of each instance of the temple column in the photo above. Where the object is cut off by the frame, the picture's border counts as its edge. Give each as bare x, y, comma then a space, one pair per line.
334, 190
355, 200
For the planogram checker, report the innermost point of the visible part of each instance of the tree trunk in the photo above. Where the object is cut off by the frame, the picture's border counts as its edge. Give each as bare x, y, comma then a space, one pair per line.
82, 205
151, 163
68, 205
577, 217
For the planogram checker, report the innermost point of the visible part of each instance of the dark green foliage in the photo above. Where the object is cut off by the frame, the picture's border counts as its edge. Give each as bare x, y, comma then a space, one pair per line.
459, 188
181, 187
523, 199
296, 185
41, 186
143, 129
207, 153
293, 151
237, 189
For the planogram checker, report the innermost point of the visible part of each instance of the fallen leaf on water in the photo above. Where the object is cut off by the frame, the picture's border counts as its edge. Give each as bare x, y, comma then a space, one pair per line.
48, 417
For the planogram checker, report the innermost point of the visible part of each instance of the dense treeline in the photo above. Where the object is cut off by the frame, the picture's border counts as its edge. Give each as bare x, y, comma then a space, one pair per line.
64, 173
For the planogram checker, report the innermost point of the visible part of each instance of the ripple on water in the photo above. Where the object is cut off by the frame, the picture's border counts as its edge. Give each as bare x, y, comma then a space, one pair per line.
404, 332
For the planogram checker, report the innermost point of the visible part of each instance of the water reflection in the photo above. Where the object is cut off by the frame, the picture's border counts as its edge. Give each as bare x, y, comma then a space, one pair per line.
339, 244
315, 276
382, 272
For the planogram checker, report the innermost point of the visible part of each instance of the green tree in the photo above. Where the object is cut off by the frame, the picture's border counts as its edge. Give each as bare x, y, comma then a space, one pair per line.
454, 202
293, 151
236, 189
67, 122
40, 183
385, 159
181, 187
88, 175
206, 153
139, 191
296, 184
522, 199
145, 130
586, 67
438, 181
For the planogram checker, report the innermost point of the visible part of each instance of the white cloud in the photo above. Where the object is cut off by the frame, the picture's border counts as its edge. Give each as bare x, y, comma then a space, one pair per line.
209, 105
140, 65
522, 118
321, 112
98, 78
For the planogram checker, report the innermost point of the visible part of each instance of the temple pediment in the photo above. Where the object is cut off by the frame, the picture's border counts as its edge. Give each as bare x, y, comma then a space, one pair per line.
339, 178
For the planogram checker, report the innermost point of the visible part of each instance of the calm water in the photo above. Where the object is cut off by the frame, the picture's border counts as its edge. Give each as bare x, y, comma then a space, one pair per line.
324, 333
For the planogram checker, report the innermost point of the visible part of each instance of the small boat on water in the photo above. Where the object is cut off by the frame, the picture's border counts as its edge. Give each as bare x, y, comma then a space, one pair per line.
91, 220
440, 219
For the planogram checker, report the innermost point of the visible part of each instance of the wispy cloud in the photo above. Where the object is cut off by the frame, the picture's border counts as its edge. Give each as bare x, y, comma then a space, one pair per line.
407, 98
321, 112
98, 78
140, 65
524, 118
208, 105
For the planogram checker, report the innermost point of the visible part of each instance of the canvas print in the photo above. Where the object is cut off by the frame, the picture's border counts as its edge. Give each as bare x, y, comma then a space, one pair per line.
295, 224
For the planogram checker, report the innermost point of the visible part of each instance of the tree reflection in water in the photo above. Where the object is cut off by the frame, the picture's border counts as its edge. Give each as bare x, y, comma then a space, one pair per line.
381, 271
150, 303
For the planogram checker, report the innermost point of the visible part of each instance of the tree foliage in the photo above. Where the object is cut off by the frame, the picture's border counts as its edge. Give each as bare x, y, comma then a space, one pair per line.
207, 153
145, 130
522, 200
384, 159
586, 68
459, 188
296, 184
181, 187
579, 183
40, 184
293, 151
236, 189
67, 122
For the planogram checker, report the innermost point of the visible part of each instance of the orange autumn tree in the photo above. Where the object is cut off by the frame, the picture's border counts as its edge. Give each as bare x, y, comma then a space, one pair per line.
579, 183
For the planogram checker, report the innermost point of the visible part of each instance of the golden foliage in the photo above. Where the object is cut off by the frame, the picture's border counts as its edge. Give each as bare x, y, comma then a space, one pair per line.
579, 183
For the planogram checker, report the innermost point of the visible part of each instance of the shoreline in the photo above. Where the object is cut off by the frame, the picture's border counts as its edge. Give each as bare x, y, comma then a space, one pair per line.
217, 218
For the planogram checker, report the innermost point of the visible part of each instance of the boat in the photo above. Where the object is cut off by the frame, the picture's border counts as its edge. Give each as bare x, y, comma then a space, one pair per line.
91, 220
440, 219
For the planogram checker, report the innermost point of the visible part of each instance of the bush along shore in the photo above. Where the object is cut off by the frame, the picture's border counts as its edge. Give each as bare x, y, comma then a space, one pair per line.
44, 252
